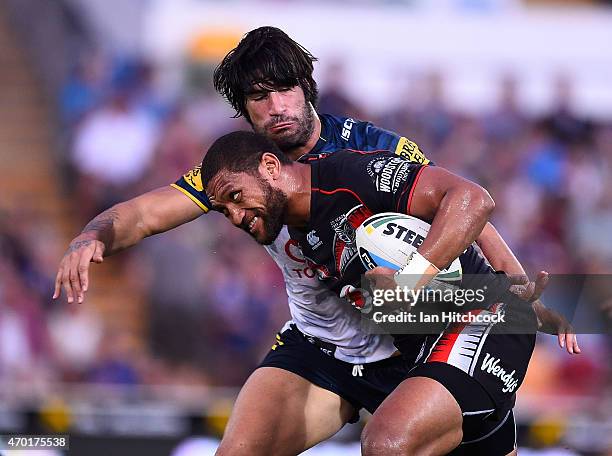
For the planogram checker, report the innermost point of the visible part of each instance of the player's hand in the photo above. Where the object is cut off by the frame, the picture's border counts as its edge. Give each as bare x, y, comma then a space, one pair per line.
549, 321
73, 271
357, 297
527, 290
552, 322
381, 278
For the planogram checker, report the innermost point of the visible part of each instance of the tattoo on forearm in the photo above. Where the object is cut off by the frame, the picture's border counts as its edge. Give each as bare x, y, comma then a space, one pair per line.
103, 228
103, 222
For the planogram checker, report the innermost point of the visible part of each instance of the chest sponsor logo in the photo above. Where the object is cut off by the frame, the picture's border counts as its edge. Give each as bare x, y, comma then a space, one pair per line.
346, 129
492, 365
388, 173
301, 270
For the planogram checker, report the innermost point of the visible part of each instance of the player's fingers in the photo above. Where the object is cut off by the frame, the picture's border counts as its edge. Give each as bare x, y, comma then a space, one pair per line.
98, 256
540, 285
83, 274
66, 283
561, 337
57, 290
74, 284
73, 275
523, 291
575, 346
519, 279
346, 291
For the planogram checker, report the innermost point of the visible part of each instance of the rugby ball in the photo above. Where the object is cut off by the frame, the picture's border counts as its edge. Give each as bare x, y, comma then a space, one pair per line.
388, 240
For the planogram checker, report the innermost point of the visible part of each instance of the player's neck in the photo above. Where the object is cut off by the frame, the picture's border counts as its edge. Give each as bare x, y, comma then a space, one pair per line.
297, 152
298, 194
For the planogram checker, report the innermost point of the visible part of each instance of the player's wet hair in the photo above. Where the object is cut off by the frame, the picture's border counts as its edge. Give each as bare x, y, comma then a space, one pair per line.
239, 151
268, 57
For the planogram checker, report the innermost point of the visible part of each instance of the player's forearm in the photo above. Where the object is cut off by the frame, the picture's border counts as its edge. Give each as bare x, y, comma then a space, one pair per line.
127, 223
497, 251
117, 228
501, 258
460, 217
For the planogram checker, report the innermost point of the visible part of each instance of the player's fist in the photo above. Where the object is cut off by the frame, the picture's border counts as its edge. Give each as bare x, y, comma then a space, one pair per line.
357, 297
73, 271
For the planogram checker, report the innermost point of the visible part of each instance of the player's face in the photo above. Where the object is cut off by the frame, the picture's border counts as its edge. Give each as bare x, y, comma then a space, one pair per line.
250, 203
283, 115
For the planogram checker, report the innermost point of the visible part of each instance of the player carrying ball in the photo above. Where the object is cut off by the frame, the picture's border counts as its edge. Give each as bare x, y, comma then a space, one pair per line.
268, 80
454, 396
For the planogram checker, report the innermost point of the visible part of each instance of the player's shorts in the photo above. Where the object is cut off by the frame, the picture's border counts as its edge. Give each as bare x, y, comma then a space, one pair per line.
479, 366
482, 366
362, 385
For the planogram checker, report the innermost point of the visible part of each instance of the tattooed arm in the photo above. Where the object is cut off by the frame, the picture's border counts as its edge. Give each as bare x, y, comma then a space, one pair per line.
118, 228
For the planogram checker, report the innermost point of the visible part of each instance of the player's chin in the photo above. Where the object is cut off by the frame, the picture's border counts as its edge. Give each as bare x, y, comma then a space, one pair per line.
265, 237
260, 236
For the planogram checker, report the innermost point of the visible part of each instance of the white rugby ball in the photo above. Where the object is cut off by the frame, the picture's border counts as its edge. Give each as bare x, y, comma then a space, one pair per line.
388, 240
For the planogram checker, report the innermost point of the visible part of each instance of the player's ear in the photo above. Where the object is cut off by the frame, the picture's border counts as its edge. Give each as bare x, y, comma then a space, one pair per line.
270, 165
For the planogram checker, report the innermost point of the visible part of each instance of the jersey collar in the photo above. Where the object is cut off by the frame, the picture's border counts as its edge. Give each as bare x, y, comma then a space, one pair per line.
320, 144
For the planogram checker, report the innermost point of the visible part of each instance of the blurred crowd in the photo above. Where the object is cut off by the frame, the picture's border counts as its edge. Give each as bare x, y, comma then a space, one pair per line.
214, 298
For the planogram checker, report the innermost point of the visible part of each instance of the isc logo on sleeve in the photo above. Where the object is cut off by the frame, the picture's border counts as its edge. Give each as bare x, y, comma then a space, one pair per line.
346, 129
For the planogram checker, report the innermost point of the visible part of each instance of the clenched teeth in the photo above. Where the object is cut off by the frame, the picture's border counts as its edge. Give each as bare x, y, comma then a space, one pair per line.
252, 224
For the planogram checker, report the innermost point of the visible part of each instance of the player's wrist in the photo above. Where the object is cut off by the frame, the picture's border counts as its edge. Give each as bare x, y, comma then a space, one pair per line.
89, 235
417, 272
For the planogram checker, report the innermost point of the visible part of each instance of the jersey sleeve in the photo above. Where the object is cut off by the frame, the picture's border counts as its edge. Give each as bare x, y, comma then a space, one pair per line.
381, 139
383, 181
192, 186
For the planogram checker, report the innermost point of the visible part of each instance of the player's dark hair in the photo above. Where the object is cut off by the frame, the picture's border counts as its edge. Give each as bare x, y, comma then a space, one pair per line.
268, 57
239, 151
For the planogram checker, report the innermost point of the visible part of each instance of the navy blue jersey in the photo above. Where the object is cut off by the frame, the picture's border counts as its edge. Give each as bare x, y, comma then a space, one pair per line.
336, 133
345, 133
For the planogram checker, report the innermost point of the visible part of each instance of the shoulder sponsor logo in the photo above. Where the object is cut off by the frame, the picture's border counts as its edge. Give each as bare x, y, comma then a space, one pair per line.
388, 173
408, 150
492, 366
346, 129
194, 178
313, 240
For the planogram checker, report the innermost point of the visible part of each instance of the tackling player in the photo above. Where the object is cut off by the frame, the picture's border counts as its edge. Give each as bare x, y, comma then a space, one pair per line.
268, 79
452, 396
